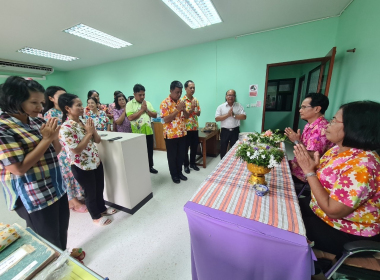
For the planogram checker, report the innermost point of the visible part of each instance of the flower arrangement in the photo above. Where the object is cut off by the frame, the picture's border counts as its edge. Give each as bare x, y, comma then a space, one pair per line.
260, 154
268, 137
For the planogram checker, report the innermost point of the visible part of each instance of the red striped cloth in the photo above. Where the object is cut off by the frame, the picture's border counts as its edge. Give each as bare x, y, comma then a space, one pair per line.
227, 189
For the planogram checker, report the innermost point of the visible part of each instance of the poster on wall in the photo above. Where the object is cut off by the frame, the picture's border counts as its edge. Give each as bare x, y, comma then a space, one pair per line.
253, 90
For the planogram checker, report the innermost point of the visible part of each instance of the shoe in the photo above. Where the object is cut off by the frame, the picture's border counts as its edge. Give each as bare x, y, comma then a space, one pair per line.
194, 166
152, 170
187, 169
182, 177
176, 180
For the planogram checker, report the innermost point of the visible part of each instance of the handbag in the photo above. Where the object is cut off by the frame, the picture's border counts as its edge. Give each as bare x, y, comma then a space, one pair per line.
210, 126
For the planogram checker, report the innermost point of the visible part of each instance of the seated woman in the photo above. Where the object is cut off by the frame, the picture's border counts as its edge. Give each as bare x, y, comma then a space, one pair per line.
313, 136
345, 200
121, 121
30, 173
101, 121
78, 140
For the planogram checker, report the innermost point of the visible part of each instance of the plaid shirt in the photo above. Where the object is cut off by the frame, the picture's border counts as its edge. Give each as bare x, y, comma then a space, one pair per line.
42, 184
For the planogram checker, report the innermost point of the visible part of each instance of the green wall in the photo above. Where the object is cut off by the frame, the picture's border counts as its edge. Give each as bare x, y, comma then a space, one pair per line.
356, 75
215, 67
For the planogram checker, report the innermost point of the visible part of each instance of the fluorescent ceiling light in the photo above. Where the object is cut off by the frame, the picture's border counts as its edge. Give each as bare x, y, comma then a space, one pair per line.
97, 36
47, 54
196, 13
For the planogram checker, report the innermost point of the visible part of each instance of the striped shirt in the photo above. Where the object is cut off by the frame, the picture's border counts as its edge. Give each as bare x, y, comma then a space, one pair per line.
42, 184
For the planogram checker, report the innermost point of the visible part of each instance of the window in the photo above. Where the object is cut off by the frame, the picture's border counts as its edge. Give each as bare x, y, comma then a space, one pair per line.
280, 95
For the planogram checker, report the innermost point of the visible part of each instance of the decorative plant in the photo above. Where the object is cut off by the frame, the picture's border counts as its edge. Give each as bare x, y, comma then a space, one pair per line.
268, 137
260, 154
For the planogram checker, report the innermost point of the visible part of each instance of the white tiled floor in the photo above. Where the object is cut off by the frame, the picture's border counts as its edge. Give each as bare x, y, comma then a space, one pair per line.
154, 243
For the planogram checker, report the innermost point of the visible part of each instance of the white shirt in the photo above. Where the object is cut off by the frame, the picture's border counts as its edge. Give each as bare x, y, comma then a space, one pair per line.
230, 122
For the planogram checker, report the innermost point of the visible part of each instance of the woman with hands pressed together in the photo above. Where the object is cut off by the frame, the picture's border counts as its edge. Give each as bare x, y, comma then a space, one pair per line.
30, 173
121, 122
345, 201
78, 140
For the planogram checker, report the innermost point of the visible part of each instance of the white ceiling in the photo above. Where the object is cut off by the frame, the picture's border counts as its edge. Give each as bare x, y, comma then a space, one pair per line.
148, 24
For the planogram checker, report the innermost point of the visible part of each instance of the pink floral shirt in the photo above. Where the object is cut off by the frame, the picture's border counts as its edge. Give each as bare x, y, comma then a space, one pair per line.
314, 139
70, 135
352, 178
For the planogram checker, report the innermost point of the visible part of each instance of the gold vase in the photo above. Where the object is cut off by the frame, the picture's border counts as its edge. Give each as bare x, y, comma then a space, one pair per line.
258, 174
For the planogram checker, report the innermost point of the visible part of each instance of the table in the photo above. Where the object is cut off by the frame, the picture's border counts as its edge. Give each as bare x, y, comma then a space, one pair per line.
236, 234
126, 170
208, 142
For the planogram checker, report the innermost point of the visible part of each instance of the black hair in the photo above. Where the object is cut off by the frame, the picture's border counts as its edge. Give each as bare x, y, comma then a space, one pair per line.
318, 99
94, 99
50, 92
175, 84
117, 106
15, 91
89, 94
187, 83
361, 125
130, 98
138, 88
64, 100
116, 93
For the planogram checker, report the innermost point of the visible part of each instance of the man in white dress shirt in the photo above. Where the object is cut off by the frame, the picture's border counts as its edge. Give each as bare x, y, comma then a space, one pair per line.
229, 114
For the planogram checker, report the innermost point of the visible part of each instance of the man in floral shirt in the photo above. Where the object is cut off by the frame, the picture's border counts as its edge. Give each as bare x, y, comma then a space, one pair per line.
192, 138
173, 113
313, 136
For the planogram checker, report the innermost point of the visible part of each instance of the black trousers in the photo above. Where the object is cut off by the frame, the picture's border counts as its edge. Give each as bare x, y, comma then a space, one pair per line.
325, 237
228, 136
149, 146
92, 182
192, 141
51, 223
176, 149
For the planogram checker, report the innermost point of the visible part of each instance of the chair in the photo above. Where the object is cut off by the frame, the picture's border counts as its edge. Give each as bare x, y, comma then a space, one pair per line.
366, 268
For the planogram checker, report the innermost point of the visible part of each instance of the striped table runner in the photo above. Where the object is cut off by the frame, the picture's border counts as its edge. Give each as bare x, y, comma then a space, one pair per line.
227, 189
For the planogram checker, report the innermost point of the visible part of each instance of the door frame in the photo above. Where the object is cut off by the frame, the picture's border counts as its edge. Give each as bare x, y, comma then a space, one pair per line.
329, 57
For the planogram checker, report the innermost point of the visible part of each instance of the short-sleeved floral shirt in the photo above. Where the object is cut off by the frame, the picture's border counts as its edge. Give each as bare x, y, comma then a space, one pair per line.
314, 139
352, 178
176, 128
71, 134
102, 107
192, 121
101, 121
54, 113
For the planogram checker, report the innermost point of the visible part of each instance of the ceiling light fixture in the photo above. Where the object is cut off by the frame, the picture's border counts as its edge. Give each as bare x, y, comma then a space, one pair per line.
196, 13
97, 36
38, 52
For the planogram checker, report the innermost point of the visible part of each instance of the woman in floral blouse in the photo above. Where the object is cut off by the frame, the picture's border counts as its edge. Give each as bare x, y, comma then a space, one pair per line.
101, 121
121, 121
78, 140
102, 107
345, 200
74, 190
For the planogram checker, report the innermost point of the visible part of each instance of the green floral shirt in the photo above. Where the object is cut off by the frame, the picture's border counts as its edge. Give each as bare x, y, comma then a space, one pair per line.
143, 123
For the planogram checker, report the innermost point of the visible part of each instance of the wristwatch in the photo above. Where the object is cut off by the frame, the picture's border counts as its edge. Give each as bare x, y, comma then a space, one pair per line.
296, 142
310, 174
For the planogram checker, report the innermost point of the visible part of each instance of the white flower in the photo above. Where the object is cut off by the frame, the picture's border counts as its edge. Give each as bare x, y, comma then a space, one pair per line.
248, 154
263, 156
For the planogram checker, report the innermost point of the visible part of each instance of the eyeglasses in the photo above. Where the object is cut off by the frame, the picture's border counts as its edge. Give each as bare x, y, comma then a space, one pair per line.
304, 107
334, 120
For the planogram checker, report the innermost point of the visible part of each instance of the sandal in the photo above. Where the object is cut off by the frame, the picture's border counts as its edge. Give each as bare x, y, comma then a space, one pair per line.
78, 254
109, 211
82, 209
102, 221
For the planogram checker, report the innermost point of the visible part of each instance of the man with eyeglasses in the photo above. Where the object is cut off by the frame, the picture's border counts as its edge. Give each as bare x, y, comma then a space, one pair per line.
229, 114
313, 137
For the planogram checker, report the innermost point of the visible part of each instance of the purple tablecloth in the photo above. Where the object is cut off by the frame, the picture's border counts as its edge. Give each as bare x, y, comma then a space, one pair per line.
227, 246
